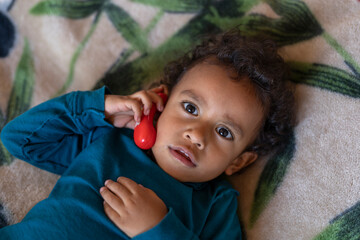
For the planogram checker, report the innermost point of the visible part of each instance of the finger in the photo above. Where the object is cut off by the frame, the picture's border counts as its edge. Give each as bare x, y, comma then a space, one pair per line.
122, 121
118, 188
136, 106
131, 124
112, 214
146, 100
161, 89
166, 90
130, 185
114, 201
115, 104
157, 100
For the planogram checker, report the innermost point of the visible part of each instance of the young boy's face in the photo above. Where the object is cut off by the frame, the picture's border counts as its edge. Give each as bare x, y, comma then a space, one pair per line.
206, 125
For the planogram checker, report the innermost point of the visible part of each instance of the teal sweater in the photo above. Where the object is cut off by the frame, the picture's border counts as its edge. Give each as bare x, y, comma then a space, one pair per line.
69, 136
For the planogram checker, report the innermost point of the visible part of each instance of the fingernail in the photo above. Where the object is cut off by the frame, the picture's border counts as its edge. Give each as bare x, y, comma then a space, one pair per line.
106, 182
137, 119
102, 189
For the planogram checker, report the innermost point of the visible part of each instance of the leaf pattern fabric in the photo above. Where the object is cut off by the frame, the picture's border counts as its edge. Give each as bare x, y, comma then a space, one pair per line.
311, 190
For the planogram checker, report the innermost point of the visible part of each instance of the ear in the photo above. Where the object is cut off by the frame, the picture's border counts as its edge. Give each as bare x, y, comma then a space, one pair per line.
245, 159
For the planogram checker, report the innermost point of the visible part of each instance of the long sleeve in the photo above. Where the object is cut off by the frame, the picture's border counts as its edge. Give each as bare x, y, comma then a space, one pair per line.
52, 134
222, 223
170, 228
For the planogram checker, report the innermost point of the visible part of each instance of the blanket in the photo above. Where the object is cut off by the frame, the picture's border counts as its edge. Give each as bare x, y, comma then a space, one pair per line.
310, 190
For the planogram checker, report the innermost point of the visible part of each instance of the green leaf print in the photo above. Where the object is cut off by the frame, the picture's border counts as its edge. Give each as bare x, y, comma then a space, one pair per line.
176, 5
77, 53
5, 156
296, 23
345, 226
293, 9
128, 28
229, 14
126, 77
21, 94
271, 178
74, 9
2, 119
325, 77
348, 59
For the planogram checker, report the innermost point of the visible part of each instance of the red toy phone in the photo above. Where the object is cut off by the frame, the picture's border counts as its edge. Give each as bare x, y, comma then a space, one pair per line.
145, 133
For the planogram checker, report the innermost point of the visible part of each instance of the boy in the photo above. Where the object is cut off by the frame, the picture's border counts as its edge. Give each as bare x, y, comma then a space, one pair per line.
227, 105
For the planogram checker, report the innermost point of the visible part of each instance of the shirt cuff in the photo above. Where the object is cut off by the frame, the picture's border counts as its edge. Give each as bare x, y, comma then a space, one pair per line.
91, 106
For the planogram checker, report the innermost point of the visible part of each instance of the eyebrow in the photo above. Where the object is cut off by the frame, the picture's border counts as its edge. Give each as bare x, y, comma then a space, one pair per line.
229, 121
235, 126
194, 96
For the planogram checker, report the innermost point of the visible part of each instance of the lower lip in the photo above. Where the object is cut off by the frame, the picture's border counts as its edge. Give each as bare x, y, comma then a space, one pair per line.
182, 159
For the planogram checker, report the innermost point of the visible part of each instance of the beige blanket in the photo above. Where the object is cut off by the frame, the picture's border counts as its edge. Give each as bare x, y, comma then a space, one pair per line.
310, 191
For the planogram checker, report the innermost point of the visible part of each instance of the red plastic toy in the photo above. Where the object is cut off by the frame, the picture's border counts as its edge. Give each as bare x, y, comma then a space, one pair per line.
145, 133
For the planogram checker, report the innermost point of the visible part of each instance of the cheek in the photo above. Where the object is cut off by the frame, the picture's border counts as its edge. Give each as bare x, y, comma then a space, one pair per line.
222, 154
161, 127
168, 122
164, 129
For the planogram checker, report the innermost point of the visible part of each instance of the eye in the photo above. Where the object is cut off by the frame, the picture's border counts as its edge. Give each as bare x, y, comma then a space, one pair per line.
190, 108
224, 132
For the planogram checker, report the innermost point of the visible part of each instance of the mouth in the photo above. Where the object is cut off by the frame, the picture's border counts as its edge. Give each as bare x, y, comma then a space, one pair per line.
183, 155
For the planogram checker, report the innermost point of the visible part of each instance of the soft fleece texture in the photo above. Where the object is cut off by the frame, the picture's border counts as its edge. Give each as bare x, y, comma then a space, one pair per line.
310, 191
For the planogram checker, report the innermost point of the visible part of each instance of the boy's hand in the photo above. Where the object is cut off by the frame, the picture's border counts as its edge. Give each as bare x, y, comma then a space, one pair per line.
126, 111
132, 207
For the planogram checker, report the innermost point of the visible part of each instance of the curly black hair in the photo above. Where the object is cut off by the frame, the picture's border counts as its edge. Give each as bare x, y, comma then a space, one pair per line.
259, 61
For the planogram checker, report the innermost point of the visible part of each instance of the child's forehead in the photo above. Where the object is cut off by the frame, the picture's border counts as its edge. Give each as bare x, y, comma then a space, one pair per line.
213, 62
200, 74
209, 79
212, 66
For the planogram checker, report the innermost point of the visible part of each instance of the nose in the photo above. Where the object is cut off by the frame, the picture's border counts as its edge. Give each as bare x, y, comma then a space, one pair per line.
196, 137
